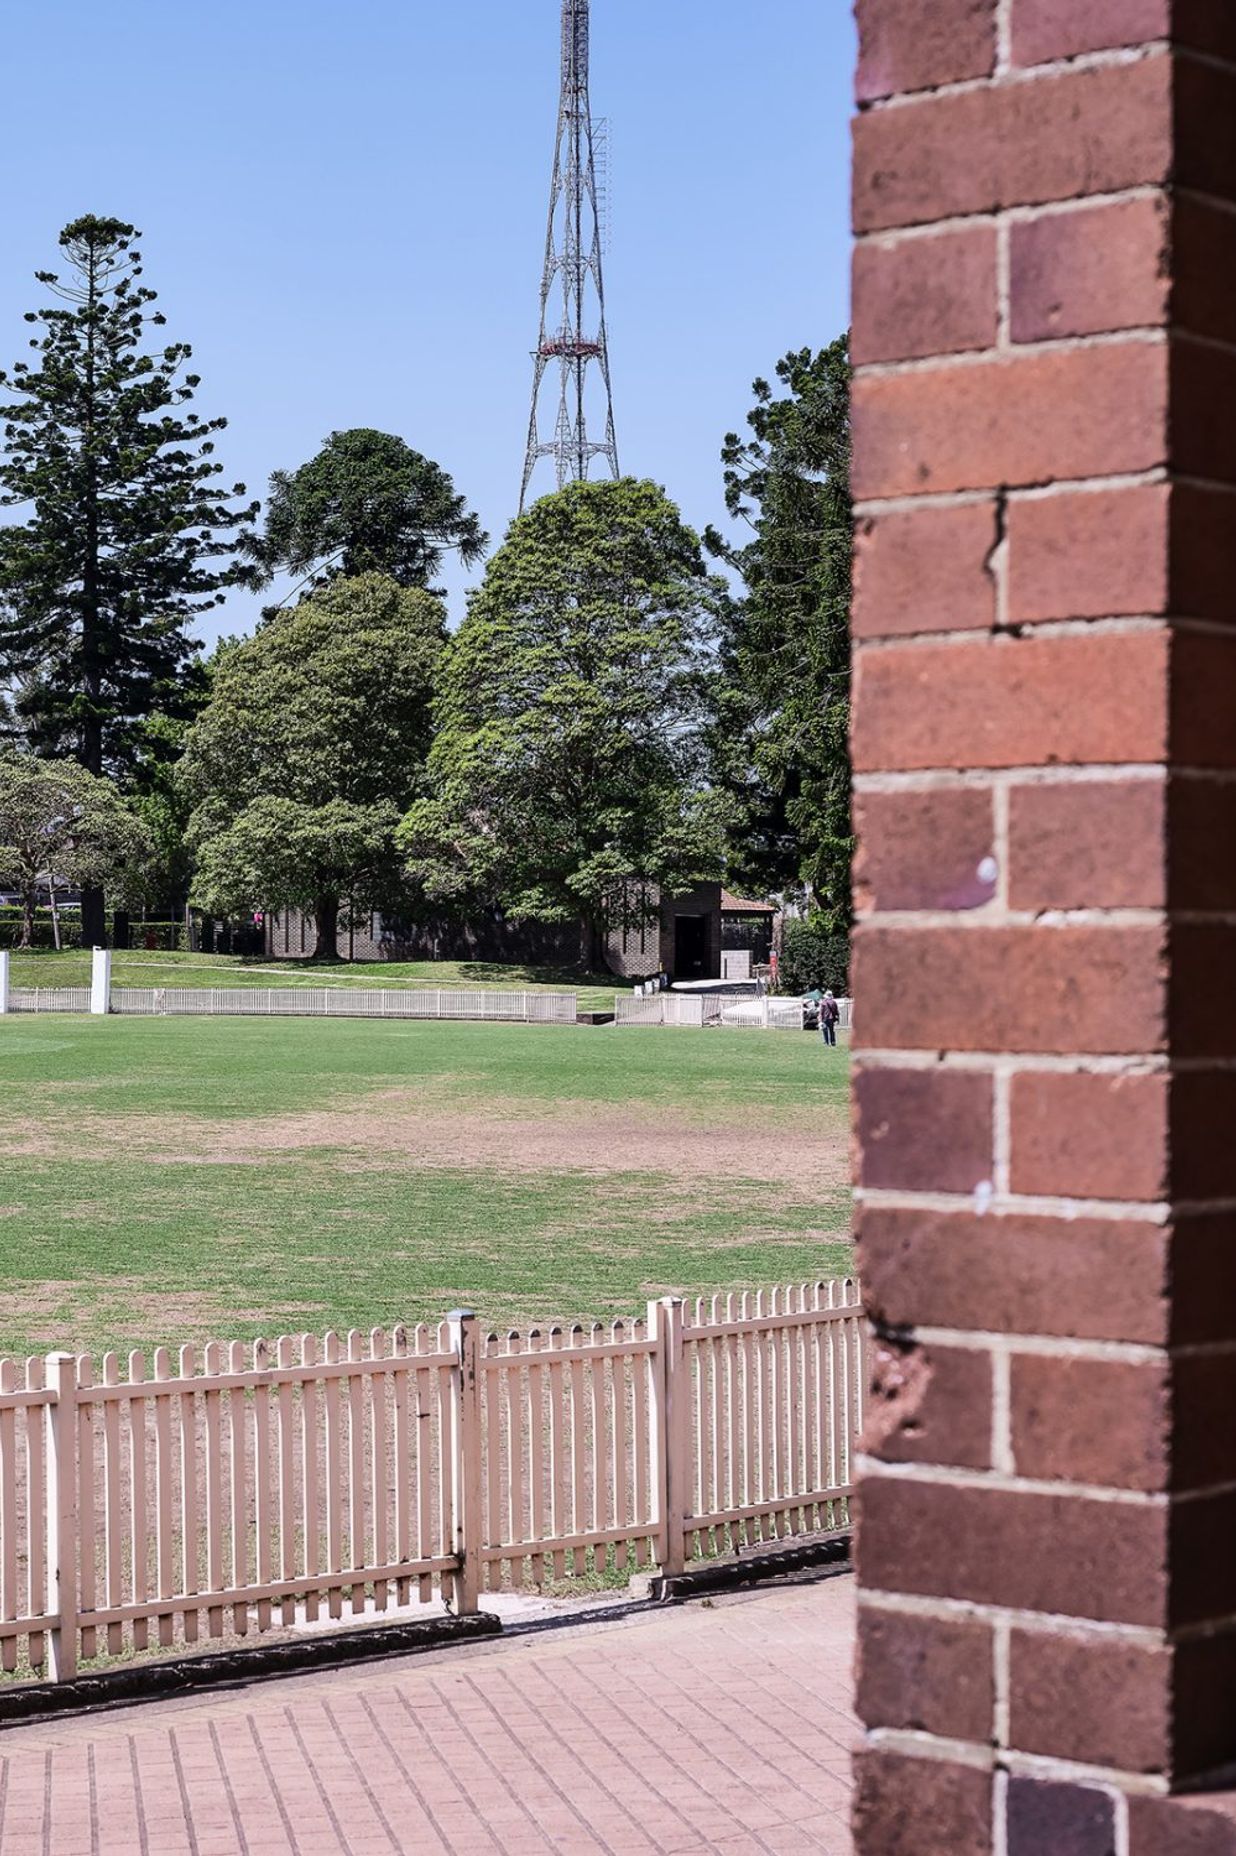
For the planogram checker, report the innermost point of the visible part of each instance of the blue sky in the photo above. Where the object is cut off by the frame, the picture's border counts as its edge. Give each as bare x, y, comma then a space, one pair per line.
344, 208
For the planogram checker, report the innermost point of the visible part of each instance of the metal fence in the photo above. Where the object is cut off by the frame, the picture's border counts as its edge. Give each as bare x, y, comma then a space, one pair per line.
307, 1002
234, 1490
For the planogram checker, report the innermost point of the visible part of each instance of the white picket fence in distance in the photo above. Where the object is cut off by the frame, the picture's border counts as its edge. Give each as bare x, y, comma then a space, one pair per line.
232, 1490
308, 1002
49, 999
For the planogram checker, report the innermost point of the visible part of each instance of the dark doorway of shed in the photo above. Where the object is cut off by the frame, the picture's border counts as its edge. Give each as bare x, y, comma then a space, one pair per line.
691, 947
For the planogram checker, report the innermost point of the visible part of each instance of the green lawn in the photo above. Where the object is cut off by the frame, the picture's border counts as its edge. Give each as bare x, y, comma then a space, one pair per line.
173, 1179
46, 968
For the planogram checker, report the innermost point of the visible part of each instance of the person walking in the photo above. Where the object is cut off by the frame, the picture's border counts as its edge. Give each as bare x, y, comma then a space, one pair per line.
830, 1017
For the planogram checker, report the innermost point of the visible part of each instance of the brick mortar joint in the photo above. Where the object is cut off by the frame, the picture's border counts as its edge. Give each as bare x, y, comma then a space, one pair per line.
1011, 76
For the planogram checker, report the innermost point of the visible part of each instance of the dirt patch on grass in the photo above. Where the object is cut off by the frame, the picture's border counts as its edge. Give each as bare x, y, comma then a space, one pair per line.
495, 1135
44, 1312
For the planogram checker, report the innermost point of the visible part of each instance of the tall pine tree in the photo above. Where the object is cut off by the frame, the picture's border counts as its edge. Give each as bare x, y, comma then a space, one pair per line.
124, 534
781, 748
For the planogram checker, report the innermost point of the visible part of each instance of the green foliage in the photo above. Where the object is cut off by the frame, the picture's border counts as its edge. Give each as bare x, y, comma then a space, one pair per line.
814, 954
310, 749
58, 821
781, 748
128, 536
367, 503
570, 754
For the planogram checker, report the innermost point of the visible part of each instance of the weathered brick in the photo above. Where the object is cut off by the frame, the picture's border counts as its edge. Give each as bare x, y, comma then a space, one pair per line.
1202, 1013
1205, 114
925, 296
928, 1675
1202, 1552
1203, 1691
1182, 1826
917, 44
975, 424
920, 1807
1068, 1555
1203, 1452
1098, 990
1203, 552
1203, 408
1104, 1422
1082, 1136
1044, 30
1090, 1699
1001, 702
1059, 137
924, 570
1088, 844
1203, 1277
1093, 554
1203, 709
1202, 843
929, 1405
1068, 1820
1080, 1278
1203, 1152
1203, 267
1090, 271
929, 850
923, 1130
1014, 420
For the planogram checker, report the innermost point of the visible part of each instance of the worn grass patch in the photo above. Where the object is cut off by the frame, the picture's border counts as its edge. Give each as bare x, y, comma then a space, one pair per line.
183, 1179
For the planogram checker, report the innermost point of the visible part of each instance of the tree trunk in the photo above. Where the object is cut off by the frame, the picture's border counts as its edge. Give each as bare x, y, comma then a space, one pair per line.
94, 918
326, 917
27, 919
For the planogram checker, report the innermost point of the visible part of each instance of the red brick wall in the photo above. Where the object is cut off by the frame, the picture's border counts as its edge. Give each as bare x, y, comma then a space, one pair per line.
1045, 967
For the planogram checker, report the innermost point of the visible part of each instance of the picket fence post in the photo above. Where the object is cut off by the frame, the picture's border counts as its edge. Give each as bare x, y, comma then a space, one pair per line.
4, 980
100, 982
465, 1472
669, 1454
61, 1498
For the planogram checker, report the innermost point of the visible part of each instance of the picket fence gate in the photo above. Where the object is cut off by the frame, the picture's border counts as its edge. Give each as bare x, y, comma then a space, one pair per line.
239, 1489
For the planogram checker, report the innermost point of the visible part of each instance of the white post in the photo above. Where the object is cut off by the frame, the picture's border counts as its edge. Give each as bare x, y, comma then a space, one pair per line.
4, 980
669, 1467
466, 1461
100, 982
61, 1499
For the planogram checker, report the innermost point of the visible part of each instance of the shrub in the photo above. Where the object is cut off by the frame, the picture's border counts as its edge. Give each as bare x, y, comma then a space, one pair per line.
812, 954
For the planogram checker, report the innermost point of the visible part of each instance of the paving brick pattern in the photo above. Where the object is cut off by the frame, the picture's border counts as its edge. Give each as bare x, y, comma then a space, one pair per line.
721, 1726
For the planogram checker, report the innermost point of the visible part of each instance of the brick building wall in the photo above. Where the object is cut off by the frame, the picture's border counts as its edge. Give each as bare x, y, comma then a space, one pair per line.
1045, 754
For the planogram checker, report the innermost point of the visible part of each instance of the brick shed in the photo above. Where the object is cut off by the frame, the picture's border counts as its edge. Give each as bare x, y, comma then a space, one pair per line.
1044, 743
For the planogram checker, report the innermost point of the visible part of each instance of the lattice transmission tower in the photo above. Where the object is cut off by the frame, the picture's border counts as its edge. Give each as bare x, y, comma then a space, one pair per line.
573, 333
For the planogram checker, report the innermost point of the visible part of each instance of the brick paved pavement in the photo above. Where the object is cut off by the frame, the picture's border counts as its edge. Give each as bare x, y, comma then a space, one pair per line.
710, 1727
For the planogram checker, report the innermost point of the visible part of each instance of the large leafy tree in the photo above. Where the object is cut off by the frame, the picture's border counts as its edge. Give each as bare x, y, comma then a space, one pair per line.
367, 503
124, 533
781, 740
569, 758
309, 751
60, 824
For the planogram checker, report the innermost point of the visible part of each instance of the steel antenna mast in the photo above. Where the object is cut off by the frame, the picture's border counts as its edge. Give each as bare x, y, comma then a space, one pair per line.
573, 285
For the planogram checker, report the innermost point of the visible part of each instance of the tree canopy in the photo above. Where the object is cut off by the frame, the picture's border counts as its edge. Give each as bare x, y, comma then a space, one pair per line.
571, 715
61, 824
781, 738
310, 749
367, 503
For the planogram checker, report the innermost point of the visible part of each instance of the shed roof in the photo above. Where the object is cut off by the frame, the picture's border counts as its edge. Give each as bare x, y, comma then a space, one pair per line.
735, 905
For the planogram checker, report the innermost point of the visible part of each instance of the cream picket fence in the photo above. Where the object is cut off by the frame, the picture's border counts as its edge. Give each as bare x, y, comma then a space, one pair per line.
235, 1490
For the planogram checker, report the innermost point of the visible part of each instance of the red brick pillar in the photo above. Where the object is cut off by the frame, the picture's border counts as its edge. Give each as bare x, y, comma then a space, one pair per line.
1045, 756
